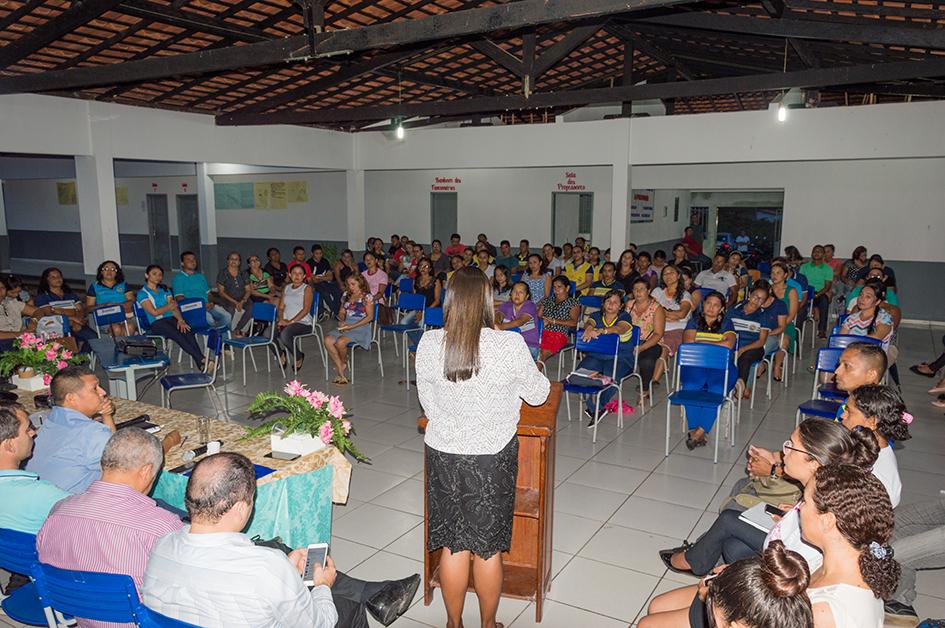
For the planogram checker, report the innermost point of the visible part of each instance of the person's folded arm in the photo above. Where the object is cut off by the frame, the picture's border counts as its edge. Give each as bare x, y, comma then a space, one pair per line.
758, 344
659, 328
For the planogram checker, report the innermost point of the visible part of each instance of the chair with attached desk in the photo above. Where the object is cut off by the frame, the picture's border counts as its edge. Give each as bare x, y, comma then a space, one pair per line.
692, 361
194, 313
205, 379
262, 313
108, 315
18, 555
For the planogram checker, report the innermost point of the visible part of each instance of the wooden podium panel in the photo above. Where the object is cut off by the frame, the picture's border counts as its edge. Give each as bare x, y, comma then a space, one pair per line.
527, 564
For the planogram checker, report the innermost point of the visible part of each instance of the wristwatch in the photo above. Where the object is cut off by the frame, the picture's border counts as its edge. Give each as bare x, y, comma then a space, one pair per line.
774, 471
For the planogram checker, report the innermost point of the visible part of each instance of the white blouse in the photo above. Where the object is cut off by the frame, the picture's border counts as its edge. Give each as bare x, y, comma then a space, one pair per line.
851, 607
480, 415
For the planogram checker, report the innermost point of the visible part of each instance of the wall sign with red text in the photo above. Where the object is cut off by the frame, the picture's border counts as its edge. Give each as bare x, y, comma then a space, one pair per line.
445, 184
570, 183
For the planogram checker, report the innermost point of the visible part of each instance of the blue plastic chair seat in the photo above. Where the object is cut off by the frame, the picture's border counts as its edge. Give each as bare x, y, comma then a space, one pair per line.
186, 379
823, 408
249, 341
23, 605
699, 398
400, 327
830, 390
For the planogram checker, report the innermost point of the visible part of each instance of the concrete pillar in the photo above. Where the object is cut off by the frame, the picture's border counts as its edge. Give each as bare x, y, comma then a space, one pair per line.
98, 211
621, 189
356, 218
4, 236
206, 207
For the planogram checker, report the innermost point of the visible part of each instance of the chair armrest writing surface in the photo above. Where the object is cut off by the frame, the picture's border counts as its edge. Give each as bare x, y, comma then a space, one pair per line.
533, 420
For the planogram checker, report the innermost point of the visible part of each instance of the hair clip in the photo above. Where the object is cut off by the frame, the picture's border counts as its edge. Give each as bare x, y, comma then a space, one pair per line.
880, 552
907, 418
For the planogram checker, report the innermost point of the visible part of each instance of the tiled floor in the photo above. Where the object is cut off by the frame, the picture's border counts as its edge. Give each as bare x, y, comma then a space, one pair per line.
617, 501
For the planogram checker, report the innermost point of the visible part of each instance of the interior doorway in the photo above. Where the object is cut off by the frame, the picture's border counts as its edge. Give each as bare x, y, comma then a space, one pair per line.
572, 215
755, 231
159, 233
443, 216
188, 226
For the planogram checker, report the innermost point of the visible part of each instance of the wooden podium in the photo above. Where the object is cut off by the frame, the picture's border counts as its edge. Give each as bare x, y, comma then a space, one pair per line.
527, 564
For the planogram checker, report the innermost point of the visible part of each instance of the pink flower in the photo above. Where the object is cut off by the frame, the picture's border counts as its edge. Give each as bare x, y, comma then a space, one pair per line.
61, 364
56, 346
346, 426
324, 432
295, 389
336, 408
27, 338
66, 355
46, 379
317, 399
50, 354
40, 346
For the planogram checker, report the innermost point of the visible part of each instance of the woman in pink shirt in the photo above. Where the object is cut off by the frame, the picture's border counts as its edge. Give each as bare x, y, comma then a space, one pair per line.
376, 277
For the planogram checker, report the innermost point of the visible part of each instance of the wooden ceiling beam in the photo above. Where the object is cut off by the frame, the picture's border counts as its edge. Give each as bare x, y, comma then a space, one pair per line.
556, 52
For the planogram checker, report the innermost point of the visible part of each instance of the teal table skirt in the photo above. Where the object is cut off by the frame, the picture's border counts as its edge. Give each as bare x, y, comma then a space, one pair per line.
296, 508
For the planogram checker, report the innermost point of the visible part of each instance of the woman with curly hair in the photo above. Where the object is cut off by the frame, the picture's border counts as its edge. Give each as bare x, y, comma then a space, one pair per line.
880, 409
846, 513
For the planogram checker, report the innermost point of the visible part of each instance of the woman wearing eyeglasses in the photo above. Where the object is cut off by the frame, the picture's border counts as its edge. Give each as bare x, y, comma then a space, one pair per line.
109, 289
813, 444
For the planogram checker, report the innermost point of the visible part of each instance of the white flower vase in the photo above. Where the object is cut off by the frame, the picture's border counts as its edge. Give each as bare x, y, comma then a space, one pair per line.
27, 379
294, 444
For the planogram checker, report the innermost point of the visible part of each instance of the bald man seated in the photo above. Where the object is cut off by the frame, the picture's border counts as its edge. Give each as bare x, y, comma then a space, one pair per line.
212, 575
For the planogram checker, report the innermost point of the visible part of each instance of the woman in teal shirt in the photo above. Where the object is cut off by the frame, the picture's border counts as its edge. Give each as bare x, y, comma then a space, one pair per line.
160, 308
109, 289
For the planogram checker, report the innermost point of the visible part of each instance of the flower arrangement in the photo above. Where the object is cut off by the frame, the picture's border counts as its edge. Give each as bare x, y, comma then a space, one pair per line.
41, 356
309, 412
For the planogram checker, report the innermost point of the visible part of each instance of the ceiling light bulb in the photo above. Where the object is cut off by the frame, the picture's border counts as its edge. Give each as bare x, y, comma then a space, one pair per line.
400, 131
782, 113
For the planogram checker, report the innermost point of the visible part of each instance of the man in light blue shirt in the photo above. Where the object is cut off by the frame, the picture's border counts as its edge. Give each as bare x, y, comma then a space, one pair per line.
26, 499
190, 284
70, 442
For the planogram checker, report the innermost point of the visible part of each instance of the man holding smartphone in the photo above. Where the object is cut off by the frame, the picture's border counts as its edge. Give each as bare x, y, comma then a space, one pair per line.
211, 574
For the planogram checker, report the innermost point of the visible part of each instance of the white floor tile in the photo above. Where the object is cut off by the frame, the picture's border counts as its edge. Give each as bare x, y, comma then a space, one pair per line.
375, 526
625, 547
604, 589
410, 545
682, 491
585, 501
435, 613
660, 517
572, 532
348, 554
609, 477
366, 483
406, 497
556, 614
398, 461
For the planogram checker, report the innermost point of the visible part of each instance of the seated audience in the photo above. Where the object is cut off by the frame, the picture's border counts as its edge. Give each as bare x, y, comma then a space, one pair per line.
520, 312
889, 275
659, 261
880, 410
12, 311
505, 256
538, 281
481, 239
26, 498
395, 245
751, 324
551, 260
262, 288
501, 284
383, 262
761, 592
482, 262
109, 289
69, 445
456, 262
677, 307
566, 253
298, 259
356, 318
16, 289
814, 444
375, 277
607, 281
276, 268
793, 258
344, 267
323, 280
871, 319
470, 259
789, 296
523, 253
593, 258
626, 270
431, 288
679, 258
693, 246
647, 314
192, 284
737, 267
712, 326
718, 279
293, 316
441, 261
579, 271
820, 276
829, 259
610, 319
234, 289
112, 526
777, 313
163, 315
854, 269
260, 586
559, 312
644, 268
874, 273
54, 298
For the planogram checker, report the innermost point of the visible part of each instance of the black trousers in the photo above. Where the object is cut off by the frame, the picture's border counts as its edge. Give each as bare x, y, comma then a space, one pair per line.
330, 295
648, 361
729, 538
350, 596
167, 328
746, 359
822, 303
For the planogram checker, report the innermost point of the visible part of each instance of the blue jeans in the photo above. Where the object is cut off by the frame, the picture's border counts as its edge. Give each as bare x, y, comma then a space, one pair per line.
604, 364
218, 317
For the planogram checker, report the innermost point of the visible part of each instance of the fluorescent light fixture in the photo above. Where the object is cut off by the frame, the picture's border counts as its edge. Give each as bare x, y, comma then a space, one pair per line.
782, 112
399, 132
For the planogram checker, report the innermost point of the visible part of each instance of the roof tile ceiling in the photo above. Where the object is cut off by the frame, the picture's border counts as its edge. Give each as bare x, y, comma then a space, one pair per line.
446, 70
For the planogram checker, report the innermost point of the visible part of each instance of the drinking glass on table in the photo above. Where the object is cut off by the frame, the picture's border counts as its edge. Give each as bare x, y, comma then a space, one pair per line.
203, 430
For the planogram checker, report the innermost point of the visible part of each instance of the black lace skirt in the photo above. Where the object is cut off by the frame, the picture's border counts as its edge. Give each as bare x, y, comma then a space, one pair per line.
471, 499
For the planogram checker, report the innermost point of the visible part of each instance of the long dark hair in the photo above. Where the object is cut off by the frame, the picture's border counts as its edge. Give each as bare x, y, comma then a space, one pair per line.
680, 288
879, 289
864, 516
763, 591
467, 309
828, 442
119, 275
543, 266
702, 323
885, 405
44, 281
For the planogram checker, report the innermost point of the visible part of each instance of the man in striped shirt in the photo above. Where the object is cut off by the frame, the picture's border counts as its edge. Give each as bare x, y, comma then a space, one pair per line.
113, 525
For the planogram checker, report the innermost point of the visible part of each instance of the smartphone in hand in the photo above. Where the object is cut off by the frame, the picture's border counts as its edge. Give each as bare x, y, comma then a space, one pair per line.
317, 555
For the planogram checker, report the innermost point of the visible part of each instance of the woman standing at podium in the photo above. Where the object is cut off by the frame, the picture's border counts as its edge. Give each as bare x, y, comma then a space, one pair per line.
471, 379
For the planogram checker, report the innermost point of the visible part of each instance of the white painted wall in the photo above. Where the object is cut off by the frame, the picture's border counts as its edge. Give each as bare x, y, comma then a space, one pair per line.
664, 226
504, 203
34, 206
